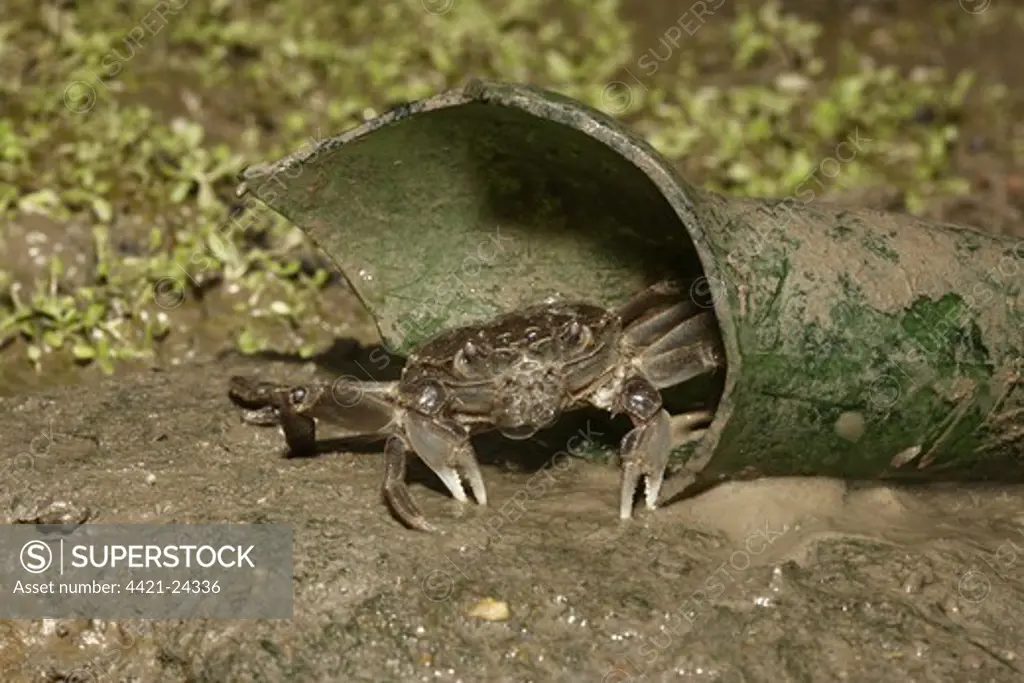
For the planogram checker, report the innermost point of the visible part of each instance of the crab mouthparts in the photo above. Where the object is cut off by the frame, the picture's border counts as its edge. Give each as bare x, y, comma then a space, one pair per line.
524, 420
519, 432
528, 401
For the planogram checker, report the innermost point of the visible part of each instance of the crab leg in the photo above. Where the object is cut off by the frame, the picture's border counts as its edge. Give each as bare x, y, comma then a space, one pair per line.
674, 338
686, 427
695, 327
259, 400
363, 408
682, 363
395, 491
299, 430
645, 306
656, 323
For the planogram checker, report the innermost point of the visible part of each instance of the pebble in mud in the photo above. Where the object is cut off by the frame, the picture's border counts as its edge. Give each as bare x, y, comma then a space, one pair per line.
916, 580
52, 513
489, 609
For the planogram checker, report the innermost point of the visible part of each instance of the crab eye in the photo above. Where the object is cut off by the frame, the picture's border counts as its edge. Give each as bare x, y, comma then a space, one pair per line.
298, 395
430, 398
575, 335
465, 357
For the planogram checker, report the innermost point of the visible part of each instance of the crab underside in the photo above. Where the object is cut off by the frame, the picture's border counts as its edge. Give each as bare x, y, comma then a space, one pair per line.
517, 374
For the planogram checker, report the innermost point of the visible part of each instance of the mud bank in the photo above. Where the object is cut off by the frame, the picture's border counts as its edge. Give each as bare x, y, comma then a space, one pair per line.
800, 580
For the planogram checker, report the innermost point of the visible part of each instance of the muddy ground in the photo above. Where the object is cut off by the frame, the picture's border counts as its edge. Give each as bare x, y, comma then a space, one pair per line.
772, 580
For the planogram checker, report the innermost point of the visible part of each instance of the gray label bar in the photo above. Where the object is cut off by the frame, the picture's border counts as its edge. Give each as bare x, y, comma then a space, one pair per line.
146, 571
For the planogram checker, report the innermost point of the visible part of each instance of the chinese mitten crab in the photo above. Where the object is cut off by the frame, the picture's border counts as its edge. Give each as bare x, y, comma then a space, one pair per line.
516, 373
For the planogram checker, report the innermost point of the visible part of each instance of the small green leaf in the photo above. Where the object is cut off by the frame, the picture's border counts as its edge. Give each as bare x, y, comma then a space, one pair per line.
220, 248
82, 351
53, 338
93, 314
181, 191
247, 342
103, 210
56, 267
106, 365
559, 67
39, 202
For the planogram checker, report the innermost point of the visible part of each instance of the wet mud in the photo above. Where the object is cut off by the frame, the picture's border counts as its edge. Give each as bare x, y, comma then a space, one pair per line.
768, 580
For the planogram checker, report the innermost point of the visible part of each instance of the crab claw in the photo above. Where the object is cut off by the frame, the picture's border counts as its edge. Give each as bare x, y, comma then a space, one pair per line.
646, 448
645, 452
445, 448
